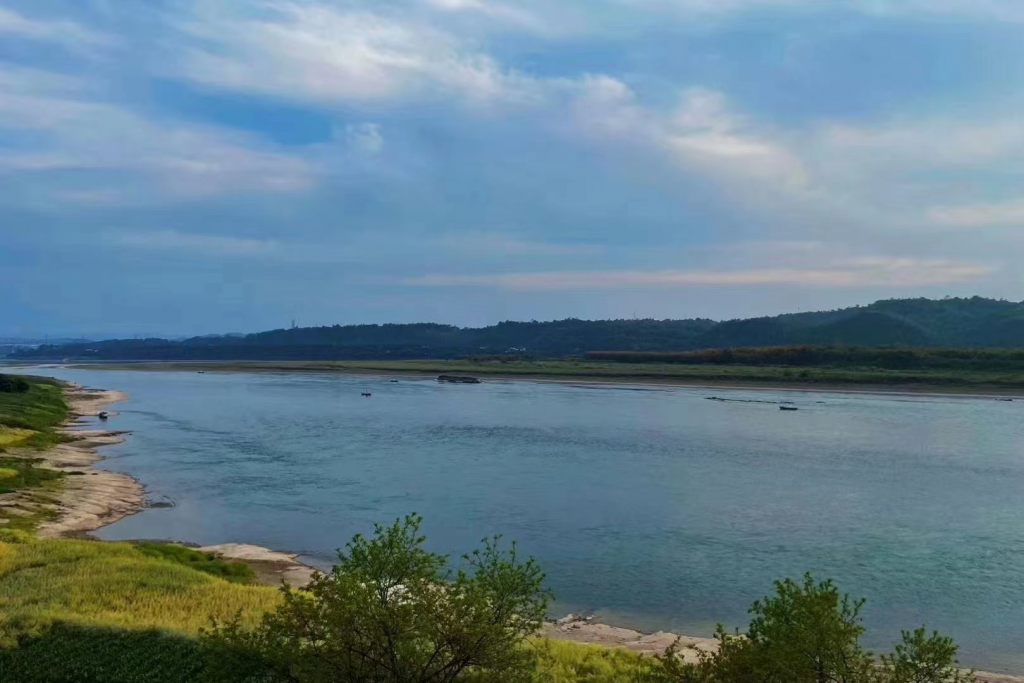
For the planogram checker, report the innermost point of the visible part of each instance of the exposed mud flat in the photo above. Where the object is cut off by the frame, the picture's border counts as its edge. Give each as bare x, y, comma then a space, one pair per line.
90, 498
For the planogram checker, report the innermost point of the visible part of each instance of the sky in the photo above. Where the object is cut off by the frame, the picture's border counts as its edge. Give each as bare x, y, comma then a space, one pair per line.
179, 167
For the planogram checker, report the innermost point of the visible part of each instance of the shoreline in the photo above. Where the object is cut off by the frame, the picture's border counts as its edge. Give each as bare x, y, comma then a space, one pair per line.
90, 498
100, 498
978, 391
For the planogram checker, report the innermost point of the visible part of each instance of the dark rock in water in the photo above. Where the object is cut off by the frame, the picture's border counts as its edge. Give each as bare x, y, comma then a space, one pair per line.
459, 379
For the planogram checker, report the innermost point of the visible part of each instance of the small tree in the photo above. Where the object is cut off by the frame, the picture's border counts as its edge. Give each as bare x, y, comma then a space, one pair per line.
391, 611
810, 633
921, 658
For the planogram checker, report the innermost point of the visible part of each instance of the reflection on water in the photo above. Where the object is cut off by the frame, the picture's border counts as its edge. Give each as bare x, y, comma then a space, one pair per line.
661, 508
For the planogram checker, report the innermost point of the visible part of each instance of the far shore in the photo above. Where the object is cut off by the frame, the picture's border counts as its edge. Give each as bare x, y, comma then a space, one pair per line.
99, 498
967, 391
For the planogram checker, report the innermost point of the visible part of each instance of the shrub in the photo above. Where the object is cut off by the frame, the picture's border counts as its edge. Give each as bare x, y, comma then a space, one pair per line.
13, 385
810, 633
391, 611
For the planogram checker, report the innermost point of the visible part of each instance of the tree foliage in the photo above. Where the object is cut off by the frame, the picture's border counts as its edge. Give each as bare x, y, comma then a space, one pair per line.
971, 323
808, 632
391, 611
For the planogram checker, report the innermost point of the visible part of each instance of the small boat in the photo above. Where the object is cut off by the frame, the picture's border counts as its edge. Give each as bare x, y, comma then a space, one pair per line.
394, 381
788, 408
459, 379
103, 415
367, 394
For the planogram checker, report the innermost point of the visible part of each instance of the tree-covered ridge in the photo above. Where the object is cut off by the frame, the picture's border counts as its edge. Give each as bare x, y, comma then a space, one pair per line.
952, 322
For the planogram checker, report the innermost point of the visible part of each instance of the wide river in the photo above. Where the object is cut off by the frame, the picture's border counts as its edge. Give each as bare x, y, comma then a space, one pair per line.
653, 506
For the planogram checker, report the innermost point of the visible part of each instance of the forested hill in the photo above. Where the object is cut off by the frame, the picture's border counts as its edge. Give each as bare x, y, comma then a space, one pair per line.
974, 322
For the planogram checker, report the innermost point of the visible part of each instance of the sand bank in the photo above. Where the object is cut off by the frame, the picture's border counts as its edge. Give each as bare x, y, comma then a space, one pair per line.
90, 498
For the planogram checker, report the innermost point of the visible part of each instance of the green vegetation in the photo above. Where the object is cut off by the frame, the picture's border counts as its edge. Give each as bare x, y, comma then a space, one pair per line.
897, 358
235, 572
974, 322
22, 473
86, 611
13, 385
810, 633
936, 379
391, 611
89, 583
28, 419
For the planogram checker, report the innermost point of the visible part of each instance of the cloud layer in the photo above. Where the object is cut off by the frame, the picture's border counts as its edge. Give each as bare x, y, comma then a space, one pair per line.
238, 163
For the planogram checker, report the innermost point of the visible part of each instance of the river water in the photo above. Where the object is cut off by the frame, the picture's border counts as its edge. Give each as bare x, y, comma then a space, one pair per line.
655, 507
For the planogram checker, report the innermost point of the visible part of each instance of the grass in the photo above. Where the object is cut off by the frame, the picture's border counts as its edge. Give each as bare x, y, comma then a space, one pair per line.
939, 379
234, 572
21, 473
81, 611
567, 662
30, 419
89, 583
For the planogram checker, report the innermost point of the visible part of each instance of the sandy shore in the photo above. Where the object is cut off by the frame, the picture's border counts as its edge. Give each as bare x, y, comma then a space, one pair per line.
90, 498
978, 391
270, 566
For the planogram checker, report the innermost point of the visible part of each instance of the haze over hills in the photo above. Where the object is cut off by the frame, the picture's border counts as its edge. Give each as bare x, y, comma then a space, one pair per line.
960, 322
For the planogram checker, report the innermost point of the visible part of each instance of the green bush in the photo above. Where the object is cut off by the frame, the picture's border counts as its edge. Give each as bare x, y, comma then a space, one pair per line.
13, 385
392, 612
810, 633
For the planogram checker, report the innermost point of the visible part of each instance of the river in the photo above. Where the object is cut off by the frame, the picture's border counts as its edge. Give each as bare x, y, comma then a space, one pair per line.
655, 507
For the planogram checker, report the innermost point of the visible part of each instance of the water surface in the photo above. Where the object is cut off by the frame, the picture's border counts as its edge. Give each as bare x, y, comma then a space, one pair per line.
655, 507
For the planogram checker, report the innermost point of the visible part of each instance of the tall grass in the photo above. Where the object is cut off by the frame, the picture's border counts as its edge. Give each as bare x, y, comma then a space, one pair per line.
114, 585
30, 419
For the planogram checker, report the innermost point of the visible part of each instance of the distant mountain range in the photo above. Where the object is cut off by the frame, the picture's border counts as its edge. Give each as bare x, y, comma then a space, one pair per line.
951, 322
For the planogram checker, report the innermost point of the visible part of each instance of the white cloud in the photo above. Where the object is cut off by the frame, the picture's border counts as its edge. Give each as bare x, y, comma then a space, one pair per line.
705, 132
505, 15
66, 33
71, 131
208, 244
365, 138
979, 215
494, 244
315, 52
869, 272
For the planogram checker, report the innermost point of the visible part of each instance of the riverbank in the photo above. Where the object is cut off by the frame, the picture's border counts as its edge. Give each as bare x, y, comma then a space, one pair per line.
835, 380
580, 631
90, 498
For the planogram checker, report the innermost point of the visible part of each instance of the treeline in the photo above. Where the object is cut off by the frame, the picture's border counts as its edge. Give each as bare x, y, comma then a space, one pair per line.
896, 358
968, 323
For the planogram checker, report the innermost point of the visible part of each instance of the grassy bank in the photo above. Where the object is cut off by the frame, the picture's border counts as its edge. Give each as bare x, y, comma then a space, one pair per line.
29, 419
89, 611
931, 379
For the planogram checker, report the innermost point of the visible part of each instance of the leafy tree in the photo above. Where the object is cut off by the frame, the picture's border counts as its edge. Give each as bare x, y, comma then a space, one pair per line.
13, 385
391, 611
810, 633
921, 658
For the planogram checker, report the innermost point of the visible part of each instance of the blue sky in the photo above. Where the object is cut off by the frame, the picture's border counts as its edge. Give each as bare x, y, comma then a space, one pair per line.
183, 166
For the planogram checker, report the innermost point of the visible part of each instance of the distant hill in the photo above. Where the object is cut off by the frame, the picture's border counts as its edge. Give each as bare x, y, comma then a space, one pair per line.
973, 322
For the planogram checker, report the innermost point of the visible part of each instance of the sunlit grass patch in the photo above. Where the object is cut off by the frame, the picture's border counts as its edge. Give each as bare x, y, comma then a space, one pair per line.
115, 585
10, 436
23, 473
235, 572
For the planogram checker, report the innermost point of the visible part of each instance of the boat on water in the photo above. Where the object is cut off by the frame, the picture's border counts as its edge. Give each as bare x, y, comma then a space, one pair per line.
103, 415
788, 408
367, 394
459, 379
